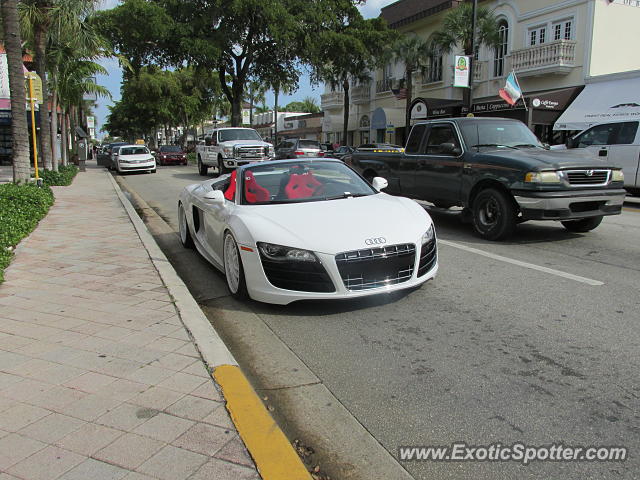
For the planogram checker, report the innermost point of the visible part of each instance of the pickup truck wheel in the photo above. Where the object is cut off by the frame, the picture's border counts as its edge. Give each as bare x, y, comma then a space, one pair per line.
583, 225
494, 214
202, 168
221, 168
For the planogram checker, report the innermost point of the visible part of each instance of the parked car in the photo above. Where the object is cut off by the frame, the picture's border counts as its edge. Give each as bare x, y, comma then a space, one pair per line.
619, 142
134, 158
106, 159
500, 173
307, 229
327, 148
298, 148
171, 155
340, 152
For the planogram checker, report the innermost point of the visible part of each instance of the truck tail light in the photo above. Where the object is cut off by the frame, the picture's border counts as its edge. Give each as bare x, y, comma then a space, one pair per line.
298, 152
321, 154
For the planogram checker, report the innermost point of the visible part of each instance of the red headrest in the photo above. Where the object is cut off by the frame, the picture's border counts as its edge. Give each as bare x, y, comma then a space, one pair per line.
231, 189
301, 185
253, 191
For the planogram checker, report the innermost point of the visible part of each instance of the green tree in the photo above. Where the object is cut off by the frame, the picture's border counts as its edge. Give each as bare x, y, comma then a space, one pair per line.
19, 129
309, 104
456, 31
348, 53
255, 93
415, 53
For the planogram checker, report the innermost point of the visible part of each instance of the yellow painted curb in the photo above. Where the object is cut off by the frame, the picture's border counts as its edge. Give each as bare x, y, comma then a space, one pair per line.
274, 456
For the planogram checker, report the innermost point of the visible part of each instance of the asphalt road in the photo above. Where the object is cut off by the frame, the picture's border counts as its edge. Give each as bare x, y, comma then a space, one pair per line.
534, 340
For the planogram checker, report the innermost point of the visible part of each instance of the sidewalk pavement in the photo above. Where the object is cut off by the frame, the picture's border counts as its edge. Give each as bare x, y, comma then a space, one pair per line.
98, 377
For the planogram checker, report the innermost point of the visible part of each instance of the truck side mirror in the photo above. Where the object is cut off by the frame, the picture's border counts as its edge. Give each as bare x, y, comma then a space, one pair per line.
570, 143
208, 142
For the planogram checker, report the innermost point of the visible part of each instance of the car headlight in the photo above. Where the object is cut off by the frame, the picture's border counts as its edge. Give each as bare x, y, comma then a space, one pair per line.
279, 253
429, 235
228, 151
542, 177
272, 151
617, 176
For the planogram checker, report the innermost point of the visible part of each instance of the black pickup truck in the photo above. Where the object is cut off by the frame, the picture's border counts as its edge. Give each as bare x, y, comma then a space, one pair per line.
500, 173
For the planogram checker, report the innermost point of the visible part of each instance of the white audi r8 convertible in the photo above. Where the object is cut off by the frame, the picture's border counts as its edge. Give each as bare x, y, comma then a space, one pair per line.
307, 229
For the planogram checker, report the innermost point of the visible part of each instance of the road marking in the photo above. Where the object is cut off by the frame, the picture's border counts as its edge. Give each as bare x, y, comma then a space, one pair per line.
630, 209
274, 456
531, 266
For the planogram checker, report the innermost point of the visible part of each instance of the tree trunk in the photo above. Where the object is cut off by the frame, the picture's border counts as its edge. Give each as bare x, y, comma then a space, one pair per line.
345, 118
54, 130
74, 123
19, 128
40, 40
276, 92
64, 134
407, 113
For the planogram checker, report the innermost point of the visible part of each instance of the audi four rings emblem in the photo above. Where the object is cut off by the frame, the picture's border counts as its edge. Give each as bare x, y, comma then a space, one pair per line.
375, 241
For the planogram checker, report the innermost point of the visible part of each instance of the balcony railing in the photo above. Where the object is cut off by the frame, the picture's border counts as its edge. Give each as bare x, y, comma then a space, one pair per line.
332, 100
555, 57
361, 93
384, 85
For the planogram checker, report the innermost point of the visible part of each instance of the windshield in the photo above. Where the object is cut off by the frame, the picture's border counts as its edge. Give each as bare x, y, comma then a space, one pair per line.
171, 148
308, 144
133, 151
498, 134
238, 134
294, 182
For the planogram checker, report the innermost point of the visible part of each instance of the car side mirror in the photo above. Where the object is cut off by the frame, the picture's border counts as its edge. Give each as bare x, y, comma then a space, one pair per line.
214, 196
208, 141
570, 143
449, 149
379, 183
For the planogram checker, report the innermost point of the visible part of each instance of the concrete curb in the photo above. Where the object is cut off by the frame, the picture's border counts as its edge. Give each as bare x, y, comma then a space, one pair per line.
270, 449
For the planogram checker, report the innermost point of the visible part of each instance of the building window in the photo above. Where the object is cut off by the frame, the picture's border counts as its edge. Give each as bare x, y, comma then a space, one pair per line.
537, 35
433, 72
563, 30
501, 50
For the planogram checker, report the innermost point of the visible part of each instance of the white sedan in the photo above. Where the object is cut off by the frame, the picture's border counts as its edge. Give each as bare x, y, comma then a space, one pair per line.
292, 230
134, 158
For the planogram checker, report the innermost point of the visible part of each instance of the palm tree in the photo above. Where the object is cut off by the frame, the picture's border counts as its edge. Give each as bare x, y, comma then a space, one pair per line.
310, 104
416, 54
457, 32
255, 93
19, 130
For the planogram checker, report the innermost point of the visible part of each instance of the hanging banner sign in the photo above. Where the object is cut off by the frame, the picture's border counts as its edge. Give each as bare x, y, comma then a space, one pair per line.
461, 71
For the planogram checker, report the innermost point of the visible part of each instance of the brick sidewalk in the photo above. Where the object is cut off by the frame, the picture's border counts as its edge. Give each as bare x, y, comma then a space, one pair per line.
98, 377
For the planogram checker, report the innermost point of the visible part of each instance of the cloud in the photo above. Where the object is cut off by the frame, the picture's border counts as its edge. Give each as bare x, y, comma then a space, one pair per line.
372, 8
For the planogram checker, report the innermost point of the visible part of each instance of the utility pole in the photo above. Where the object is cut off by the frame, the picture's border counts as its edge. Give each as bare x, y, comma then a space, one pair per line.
473, 53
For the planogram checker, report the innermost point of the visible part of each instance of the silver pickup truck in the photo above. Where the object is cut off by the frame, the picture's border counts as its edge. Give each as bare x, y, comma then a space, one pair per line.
230, 147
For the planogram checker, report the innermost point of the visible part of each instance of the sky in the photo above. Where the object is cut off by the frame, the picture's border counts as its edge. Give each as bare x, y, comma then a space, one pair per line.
112, 80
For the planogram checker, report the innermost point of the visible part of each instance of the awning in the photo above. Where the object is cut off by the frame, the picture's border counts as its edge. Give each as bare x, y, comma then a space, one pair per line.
423, 108
611, 101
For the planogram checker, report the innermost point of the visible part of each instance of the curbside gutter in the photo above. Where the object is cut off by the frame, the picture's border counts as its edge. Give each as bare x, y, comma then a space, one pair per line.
270, 449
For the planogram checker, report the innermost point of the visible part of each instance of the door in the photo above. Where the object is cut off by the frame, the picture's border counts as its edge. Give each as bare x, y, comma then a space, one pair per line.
214, 218
406, 168
598, 139
625, 152
438, 172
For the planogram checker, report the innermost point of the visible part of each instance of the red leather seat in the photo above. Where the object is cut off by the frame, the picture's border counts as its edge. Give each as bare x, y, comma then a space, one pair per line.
230, 192
301, 185
253, 191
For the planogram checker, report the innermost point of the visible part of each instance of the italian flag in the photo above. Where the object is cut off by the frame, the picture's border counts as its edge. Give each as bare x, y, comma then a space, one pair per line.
511, 92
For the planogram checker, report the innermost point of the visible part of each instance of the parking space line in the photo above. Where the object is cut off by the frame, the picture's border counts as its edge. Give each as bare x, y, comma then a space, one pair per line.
519, 263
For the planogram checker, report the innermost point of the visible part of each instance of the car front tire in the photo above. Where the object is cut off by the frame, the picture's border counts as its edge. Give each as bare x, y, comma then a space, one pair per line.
494, 214
233, 271
202, 168
583, 225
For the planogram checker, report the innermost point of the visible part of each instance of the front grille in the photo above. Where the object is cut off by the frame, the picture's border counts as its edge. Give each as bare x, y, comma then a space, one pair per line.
428, 257
298, 276
376, 267
587, 177
250, 152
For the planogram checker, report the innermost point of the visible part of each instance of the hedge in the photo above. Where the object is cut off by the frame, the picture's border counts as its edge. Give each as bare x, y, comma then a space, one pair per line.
63, 177
21, 208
